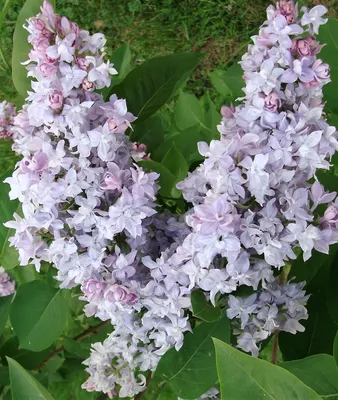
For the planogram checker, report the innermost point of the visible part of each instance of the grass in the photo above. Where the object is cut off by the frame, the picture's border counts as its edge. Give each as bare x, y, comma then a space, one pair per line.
218, 29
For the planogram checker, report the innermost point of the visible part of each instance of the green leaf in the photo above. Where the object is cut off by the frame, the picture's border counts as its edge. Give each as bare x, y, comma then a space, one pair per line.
38, 315
78, 349
4, 376
319, 372
306, 270
203, 309
166, 179
218, 80
149, 132
177, 165
335, 348
23, 385
212, 117
229, 83
21, 47
8, 255
188, 111
5, 303
191, 371
331, 292
329, 53
148, 87
243, 377
26, 358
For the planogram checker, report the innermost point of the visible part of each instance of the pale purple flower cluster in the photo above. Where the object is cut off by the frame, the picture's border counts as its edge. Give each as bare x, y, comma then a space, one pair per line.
275, 307
7, 286
7, 114
88, 209
253, 205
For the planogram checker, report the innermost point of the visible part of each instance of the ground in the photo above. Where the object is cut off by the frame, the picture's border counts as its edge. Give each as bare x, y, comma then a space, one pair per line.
220, 29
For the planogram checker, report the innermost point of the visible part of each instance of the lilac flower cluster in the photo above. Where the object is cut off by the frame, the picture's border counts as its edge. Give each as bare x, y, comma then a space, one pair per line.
253, 205
7, 286
88, 209
7, 114
275, 307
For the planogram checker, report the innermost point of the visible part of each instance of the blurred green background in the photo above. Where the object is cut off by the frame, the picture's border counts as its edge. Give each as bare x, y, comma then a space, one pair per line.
218, 29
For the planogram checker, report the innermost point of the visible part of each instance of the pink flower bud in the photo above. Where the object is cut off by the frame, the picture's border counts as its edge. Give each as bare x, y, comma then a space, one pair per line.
38, 24
330, 217
321, 70
4, 133
93, 289
272, 102
87, 86
139, 147
56, 100
288, 10
307, 46
81, 63
120, 294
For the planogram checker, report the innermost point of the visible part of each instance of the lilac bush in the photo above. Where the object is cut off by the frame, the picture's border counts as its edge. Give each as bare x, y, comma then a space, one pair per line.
95, 215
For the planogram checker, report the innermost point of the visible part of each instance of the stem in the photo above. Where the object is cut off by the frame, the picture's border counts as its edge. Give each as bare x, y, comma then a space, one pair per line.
275, 348
91, 330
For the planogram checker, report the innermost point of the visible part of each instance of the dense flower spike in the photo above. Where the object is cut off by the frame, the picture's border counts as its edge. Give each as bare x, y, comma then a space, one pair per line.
87, 207
252, 201
90, 210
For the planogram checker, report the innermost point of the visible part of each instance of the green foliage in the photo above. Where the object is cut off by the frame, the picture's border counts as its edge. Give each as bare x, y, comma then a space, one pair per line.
191, 371
243, 377
203, 309
328, 35
229, 82
148, 87
319, 372
5, 303
23, 385
38, 320
28, 359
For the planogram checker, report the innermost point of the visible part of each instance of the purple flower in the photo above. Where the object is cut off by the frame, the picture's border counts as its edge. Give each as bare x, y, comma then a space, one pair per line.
36, 163
288, 10
301, 69
56, 99
307, 46
314, 17
120, 294
321, 71
214, 218
93, 289
330, 217
272, 102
